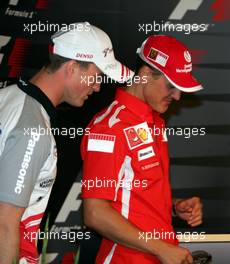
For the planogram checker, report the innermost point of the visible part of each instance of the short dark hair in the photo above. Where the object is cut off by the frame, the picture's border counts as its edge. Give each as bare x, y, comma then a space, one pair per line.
140, 63
56, 61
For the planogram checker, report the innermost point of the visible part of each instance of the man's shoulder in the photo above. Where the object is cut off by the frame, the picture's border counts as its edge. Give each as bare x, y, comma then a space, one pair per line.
113, 119
20, 114
11, 96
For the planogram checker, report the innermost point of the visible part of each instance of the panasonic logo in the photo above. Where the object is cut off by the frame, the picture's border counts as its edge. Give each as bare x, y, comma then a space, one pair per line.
26, 162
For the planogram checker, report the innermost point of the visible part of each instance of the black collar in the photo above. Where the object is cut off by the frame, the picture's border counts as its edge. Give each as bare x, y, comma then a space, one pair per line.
33, 91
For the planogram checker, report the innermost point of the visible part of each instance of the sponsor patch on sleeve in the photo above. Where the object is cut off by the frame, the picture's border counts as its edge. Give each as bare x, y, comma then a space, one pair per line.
145, 153
138, 135
101, 142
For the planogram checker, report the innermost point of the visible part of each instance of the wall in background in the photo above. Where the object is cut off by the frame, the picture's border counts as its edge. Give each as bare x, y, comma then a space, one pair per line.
200, 164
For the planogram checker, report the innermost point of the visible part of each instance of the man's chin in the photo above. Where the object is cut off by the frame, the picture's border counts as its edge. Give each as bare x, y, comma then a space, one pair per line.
79, 103
162, 110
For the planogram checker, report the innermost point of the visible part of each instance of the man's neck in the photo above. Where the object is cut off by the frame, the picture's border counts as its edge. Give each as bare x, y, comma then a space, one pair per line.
50, 84
135, 90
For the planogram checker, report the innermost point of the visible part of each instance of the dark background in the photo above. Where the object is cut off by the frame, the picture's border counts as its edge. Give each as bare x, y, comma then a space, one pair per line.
200, 164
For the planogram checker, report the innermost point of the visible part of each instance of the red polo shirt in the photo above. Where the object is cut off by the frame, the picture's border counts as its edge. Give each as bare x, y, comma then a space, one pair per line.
126, 161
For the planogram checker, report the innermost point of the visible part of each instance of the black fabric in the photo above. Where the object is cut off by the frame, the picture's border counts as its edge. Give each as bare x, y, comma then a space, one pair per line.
33, 91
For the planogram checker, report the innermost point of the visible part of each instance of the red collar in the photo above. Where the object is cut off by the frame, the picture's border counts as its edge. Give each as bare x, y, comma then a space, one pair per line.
136, 105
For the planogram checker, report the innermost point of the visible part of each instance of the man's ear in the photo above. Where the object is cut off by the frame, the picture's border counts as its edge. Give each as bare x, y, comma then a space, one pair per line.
149, 72
70, 67
144, 71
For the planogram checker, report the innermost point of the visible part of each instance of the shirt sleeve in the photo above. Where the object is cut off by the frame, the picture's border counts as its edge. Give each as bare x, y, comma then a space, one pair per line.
103, 163
20, 164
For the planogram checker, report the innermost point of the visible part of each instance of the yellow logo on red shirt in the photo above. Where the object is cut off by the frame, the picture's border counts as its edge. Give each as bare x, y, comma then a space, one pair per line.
138, 135
143, 134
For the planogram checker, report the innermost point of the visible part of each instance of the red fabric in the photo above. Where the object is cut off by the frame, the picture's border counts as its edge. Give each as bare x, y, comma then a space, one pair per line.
68, 258
28, 238
148, 206
172, 58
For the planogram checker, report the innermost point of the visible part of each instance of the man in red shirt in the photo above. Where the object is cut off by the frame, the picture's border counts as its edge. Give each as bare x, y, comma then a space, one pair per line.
125, 186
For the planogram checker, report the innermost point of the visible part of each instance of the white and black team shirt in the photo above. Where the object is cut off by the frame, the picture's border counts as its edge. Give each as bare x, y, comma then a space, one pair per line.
27, 157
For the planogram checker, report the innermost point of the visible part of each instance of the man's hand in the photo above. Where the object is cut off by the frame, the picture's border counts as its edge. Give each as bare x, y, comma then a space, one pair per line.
10, 217
101, 216
190, 210
170, 254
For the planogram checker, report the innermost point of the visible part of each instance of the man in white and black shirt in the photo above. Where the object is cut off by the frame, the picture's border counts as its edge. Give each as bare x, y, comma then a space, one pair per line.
28, 157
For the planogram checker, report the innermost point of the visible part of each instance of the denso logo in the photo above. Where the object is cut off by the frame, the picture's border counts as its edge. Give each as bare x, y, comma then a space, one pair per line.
84, 56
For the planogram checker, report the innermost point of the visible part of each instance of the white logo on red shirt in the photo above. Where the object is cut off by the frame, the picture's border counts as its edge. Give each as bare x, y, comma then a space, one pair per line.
101, 142
113, 119
145, 153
